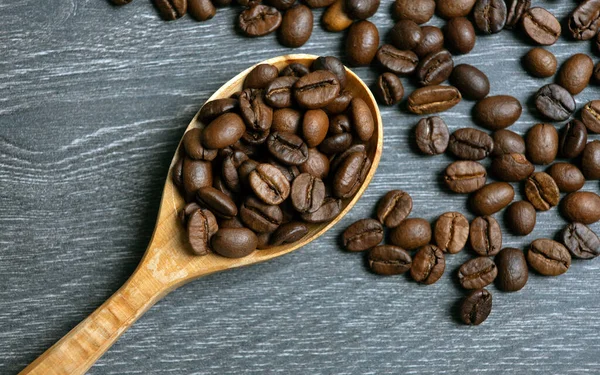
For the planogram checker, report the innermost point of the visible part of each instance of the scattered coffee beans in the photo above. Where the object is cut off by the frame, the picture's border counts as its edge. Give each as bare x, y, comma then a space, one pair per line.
363, 235
548, 257
568, 177
428, 265
389, 260
542, 191
451, 232
540, 62
541, 26
542, 144
477, 273
554, 102
575, 73
460, 35
497, 112
581, 241
507, 142
485, 236
432, 135
465, 176
476, 307
411, 234
512, 270
492, 198
581, 207
472, 83
520, 218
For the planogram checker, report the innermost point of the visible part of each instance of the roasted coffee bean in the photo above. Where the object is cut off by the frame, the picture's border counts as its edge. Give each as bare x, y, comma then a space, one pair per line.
339, 124
220, 185
196, 174
451, 232
257, 116
465, 176
229, 170
296, 26
215, 108
576, 72
596, 74
389, 260
288, 233
201, 226
389, 89
287, 148
317, 164
477, 273
548, 257
223, 131
432, 99
541, 26
512, 270
335, 17
520, 218
361, 9
289, 171
472, 83
187, 211
590, 115
314, 127
406, 35
332, 64
432, 41
318, 3
340, 103
263, 241
308, 193
542, 144
234, 242
492, 198
171, 9
286, 120
394, 207
581, 241
259, 216
435, 68
459, 35
584, 22
490, 15
428, 265
362, 42
222, 3
259, 20
362, 119
581, 207
417, 11
590, 160
497, 112
397, 61
507, 142
485, 236
192, 143
476, 307
337, 159
217, 202
568, 177
330, 208
245, 169
540, 62
512, 167
542, 191
432, 135
470, 144
363, 235
316, 90
295, 70
201, 10
281, 5
350, 175
573, 139
454, 8
278, 93
269, 184
336, 143
411, 234
515, 10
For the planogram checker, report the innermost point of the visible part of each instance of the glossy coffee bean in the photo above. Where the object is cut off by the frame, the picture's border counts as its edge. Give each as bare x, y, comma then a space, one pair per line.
428, 265
229, 170
394, 207
542, 144
542, 191
350, 175
389, 89
217, 202
362, 119
451, 232
171, 9
548, 257
470, 144
259, 20
485, 236
568, 177
476, 307
234, 242
196, 174
308, 193
540, 62
432, 41
339, 124
432, 135
411, 234
318, 3
554, 102
575, 73
295, 69
192, 143
417, 11
286, 120
459, 35
259, 216
257, 115
223, 131
201, 226
515, 10
281, 5
389, 260
362, 43
314, 127
454, 8
507, 142
406, 35
590, 160
581, 241
187, 211
215, 108
490, 15
288, 233
477, 273
296, 26
363, 235
338, 159
336, 143
201, 10
512, 270
511, 167
396, 61
244, 171
520, 218
590, 116
335, 18
497, 112
465, 176
316, 90
340, 103
581, 207
472, 83
492, 198
317, 164
435, 68
269, 184
278, 93
361, 9
432, 99
332, 64
584, 21
573, 139
330, 208
287, 148
541, 26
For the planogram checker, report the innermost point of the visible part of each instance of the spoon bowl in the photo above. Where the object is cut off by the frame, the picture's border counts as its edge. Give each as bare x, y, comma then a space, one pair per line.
168, 263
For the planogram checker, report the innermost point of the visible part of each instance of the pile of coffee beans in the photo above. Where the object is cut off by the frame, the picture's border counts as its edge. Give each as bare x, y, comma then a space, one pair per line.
272, 159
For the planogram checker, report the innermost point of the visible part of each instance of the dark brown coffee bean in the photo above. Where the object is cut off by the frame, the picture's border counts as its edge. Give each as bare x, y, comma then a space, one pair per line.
261, 76
278, 93
201, 226
417, 11
432, 41
196, 174
337, 159
476, 307
542, 144
269, 184
201, 10
217, 202
332, 64
406, 35
314, 127
316, 90
515, 11
286, 120
459, 35
590, 160
581, 241
432, 135
490, 15
389, 260
590, 115
548, 257
389, 89
472, 83
512, 270
411, 234
362, 42
260, 217
350, 175
340, 103
477, 273
465, 176
288, 233
497, 112
318, 3
397, 61
330, 208
171, 9
223, 131
520, 218
573, 139
432, 99
295, 69
234, 242
281, 5
221, 186
296, 26
289, 171
540, 62
470, 144
485, 236
507, 142
307, 193
435, 68
394, 207
335, 18
541, 191
451, 232
317, 164
229, 170
428, 265
576, 72
363, 235
541, 26
192, 143
454, 8
584, 22
287, 148
187, 211
554, 102
568, 177
512, 167
244, 171
361, 9
215, 108
362, 119
336, 143
259, 20
231, 223
581, 207
492, 198
257, 116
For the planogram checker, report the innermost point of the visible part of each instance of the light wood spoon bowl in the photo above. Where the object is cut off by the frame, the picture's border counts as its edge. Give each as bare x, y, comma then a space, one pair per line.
168, 263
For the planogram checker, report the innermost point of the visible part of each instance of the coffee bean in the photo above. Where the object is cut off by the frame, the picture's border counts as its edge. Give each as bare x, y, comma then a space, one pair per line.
584, 22
257, 116
361, 9
520, 218
362, 119
411, 234
362, 42
287, 148
497, 112
332, 64
490, 15
540, 62
196, 174
350, 175
515, 11
590, 160
192, 143
394, 207
289, 171
222, 3
317, 164
476, 307
428, 265
459, 35
454, 8
389, 260
337, 160
229, 170
581, 207
217, 202
541, 191
296, 26
281, 5
286, 120
397, 61
568, 177
336, 143
435, 68
596, 74
470, 144
542, 144
548, 257
432, 135
187, 211
432, 41
451, 232
269, 184
573, 139
417, 11
307, 193
330, 208
485, 236
278, 93
512, 167
477, 273
295, 69
259, 20
406, 35
220, 185
432, 99
389, 89
318, 3
201, 226
512, 270
472, 83
340, 103
590, 115
288, 233
171, 9
363, 235
465, 176
215, 108
581, 241
492, 198
244, 171
339, 124
335, 17
201, 10
576, 72
314, 127
316, 90
223, 131
259, 216
234, 242
541, 26
507, 142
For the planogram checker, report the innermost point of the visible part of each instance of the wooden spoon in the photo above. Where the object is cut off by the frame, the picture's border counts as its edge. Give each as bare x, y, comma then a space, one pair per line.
168, 264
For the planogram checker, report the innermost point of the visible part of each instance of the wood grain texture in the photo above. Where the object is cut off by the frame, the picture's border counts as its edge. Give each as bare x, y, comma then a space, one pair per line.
93, 101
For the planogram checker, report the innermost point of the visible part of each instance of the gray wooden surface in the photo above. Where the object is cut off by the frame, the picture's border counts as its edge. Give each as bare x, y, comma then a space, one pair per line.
93, 100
